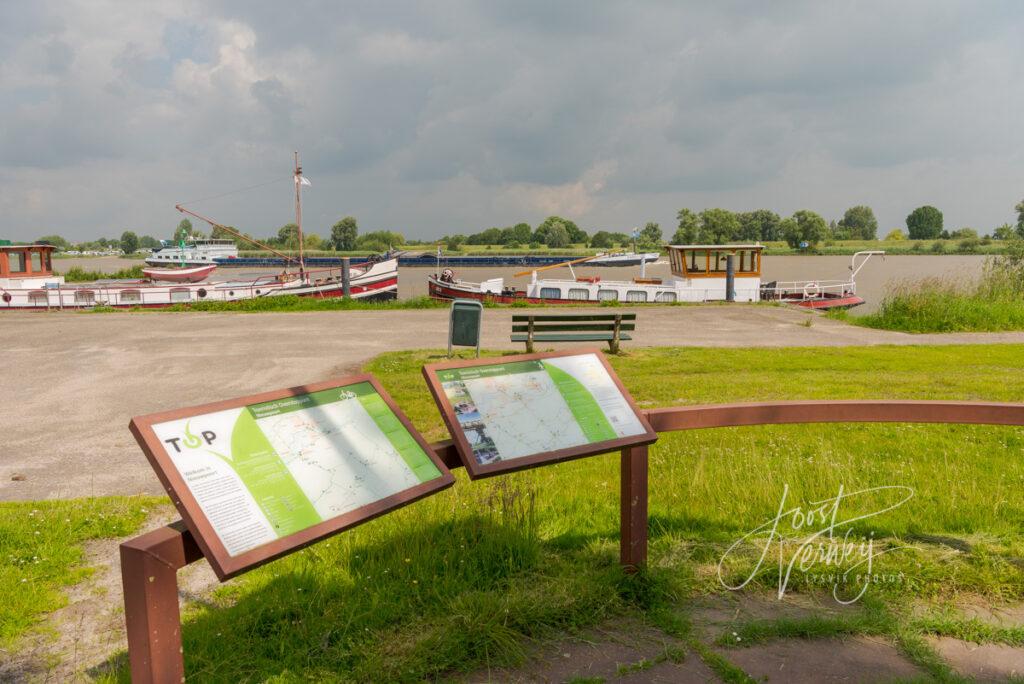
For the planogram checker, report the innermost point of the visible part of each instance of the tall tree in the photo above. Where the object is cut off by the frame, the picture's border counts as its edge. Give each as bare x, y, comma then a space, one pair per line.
924, 223
650, 236
288, 236
521, 233
688, 232
344, 234
571, 229
55, 240
602, 239
148, 242
129, 242
859, 223
558, 235
719, 226
760, 224
802, 227
183, 231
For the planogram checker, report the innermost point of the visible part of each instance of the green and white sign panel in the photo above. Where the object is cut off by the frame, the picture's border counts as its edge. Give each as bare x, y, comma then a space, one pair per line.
264, 471
517, 409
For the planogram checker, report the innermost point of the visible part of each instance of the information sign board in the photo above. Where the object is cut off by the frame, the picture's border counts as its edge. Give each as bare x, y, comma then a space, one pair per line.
518, 412
257, 477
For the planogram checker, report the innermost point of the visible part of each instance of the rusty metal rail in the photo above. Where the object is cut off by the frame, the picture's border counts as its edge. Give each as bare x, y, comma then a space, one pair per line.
150, 563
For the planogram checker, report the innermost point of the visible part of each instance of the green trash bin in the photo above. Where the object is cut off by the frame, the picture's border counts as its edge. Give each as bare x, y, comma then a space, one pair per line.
464, 322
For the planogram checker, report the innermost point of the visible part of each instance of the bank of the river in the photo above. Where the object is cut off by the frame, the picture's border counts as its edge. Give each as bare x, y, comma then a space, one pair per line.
872, 282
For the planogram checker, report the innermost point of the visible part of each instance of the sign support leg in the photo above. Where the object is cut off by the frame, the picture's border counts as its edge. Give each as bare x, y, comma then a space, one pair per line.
149, 575
633, 525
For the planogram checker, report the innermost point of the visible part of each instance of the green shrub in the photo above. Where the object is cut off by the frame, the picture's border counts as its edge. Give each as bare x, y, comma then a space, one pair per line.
77, 274
995, 302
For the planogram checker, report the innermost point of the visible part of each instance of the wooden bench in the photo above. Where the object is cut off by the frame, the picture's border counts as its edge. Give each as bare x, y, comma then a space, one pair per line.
610, 328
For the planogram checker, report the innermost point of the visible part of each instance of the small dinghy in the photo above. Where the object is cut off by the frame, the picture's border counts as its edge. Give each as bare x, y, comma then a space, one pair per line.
180, 275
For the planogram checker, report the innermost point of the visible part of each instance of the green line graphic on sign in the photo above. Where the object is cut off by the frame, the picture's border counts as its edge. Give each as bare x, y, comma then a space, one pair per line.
584, 407
268, 480
407, 447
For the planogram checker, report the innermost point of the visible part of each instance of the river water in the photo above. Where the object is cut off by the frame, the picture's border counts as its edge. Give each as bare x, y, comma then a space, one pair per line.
872, 281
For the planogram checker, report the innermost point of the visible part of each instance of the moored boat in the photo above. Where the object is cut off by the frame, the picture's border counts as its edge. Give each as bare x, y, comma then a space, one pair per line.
38, 288
194, 274
699, 273
27, 281
622, 259
193, 251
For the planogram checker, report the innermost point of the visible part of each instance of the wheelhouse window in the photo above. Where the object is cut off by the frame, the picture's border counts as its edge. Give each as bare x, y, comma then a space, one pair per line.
37, 261
16, 262
697, 262
675, 261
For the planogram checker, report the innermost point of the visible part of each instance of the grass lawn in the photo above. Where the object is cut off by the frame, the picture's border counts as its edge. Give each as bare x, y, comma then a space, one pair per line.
41, 552
472, 576
475, 575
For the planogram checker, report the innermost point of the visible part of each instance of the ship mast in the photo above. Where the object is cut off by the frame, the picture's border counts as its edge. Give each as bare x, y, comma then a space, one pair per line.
298, 213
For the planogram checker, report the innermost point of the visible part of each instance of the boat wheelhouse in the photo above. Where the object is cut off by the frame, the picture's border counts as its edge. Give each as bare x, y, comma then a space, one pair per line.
699, 273
193, 252
26, 265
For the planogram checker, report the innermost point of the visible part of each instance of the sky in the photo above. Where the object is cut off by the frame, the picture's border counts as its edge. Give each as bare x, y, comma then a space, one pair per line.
449, 117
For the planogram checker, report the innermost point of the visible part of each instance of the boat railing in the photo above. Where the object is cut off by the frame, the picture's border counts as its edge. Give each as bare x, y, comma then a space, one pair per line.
807, 289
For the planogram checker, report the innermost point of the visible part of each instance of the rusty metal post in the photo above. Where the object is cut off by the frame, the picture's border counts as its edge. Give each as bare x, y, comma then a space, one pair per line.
633, 502
149, 575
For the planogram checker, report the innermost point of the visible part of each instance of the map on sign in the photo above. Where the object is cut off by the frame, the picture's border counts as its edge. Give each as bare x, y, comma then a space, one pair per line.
264, 471
516, 409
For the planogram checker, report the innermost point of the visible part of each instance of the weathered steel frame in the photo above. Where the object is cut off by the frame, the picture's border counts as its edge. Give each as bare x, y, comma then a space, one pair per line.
149, 563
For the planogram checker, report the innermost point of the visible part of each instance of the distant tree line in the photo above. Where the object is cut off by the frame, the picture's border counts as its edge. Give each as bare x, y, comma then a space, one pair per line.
804, 229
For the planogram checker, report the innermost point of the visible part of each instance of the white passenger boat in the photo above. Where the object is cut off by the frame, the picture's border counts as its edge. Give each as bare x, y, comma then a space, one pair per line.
699, 273
192, 251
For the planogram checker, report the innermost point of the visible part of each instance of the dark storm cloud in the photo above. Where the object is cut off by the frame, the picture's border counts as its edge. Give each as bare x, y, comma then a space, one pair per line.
433, 117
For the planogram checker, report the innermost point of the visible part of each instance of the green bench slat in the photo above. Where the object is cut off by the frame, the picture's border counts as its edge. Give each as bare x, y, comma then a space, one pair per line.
551, 327
563, 337
522, 318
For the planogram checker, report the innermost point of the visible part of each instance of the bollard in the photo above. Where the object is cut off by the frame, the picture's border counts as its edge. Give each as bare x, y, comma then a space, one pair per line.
346, 277
730, 278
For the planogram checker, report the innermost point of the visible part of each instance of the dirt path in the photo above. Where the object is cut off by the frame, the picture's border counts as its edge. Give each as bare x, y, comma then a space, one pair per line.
75, 642
73, 380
